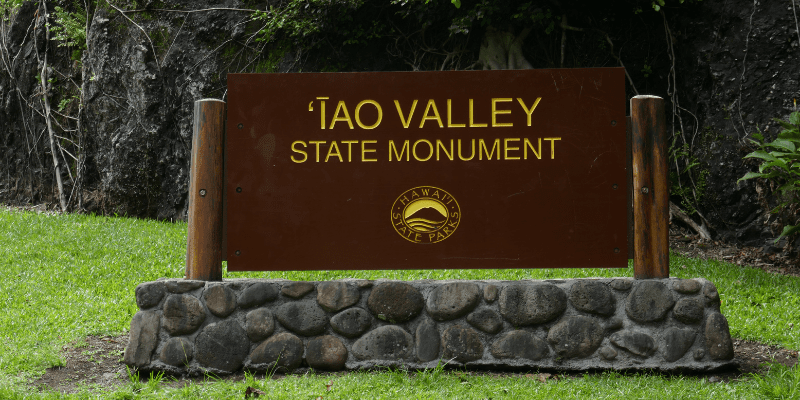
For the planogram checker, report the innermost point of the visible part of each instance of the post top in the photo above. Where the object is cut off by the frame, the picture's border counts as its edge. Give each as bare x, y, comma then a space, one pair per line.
646, 96
209, 100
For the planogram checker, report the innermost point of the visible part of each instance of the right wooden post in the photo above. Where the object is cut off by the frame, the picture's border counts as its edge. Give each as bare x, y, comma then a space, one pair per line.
650, 188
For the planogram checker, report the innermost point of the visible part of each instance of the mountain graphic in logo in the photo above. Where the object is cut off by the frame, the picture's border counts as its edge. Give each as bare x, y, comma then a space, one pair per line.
429, 218
425, 214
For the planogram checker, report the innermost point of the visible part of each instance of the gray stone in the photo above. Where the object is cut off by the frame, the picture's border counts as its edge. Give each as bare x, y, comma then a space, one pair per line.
427, 344
486, 320
621, 284
576, 337
686, 286
636, 342
183, 285
452, 300
222, 346
364, 283
284, 351
462, 344
259, 324
149, 294
592, 297
718, 337
530, 304
220, 300
177, 352
649, 301
326, 353
675, 342
490, 293
352, 322
699, 354
303, 317
143, 338
183, 314
607, 353
389, 342
337, 295
296, 290
688, 310
711, 294
258, 294
613, 324
395, 302
520, 344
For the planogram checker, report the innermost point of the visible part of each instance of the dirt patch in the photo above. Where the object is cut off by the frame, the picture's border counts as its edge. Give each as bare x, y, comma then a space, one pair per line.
96, 363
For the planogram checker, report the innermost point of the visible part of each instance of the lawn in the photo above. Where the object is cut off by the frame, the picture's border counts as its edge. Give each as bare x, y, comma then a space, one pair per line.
69, 276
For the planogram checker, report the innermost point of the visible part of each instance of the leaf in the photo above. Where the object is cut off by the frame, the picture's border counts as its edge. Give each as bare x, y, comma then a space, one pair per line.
758, 137
751, 175
782, 144
794, 118
328, 386
787, 230
762, 155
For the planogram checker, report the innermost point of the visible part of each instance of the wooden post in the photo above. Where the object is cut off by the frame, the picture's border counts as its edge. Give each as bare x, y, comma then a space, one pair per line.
650, 188
204, 247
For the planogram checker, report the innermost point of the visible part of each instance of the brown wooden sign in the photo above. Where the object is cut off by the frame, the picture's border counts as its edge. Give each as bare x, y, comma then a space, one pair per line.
422, 170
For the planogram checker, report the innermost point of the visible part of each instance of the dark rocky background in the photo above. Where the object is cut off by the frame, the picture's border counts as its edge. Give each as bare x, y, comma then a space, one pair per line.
122, 98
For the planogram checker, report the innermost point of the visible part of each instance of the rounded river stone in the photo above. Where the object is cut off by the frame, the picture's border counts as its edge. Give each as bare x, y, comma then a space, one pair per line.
220, 300
259, 324
427, 341
297, 290
675, 343
389, 342
718, 337
222, 346
592, 297
149, 294
686, 286
711, 294
258, 294
530, 304
649, 301
182, 285
621, 284
490, 293
576, 337
688, 310
352, 322
303, 317
461, 343
395, 302
283, 350
453, 300
608, 353
326, 353
143, 338
520, 344
636, 342
183, 314
486, 319
177, 352
335, 296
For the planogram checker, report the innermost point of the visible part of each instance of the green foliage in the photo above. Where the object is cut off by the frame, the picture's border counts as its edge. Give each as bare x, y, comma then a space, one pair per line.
300, 19
780, 382
688, 181
70, 29
780, 164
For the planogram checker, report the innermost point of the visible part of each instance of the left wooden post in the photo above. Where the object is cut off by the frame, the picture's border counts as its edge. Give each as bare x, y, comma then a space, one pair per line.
204, 247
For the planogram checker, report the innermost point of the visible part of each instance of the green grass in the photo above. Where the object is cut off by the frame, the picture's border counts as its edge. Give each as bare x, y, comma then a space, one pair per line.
66, 277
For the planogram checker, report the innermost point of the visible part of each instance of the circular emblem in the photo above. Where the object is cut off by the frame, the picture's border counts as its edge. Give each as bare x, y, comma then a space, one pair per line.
425, 214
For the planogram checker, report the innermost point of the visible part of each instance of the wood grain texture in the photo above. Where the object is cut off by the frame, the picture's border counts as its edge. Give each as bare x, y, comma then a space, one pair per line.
651, 188
204, 247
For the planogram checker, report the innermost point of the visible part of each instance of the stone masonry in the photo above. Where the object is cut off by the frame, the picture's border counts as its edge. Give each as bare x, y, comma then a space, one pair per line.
191, 327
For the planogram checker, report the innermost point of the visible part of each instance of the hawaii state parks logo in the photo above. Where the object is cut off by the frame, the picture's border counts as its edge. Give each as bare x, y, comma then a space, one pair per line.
425, 214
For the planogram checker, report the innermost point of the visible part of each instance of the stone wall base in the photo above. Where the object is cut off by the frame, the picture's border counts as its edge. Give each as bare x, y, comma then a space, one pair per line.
191, 327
